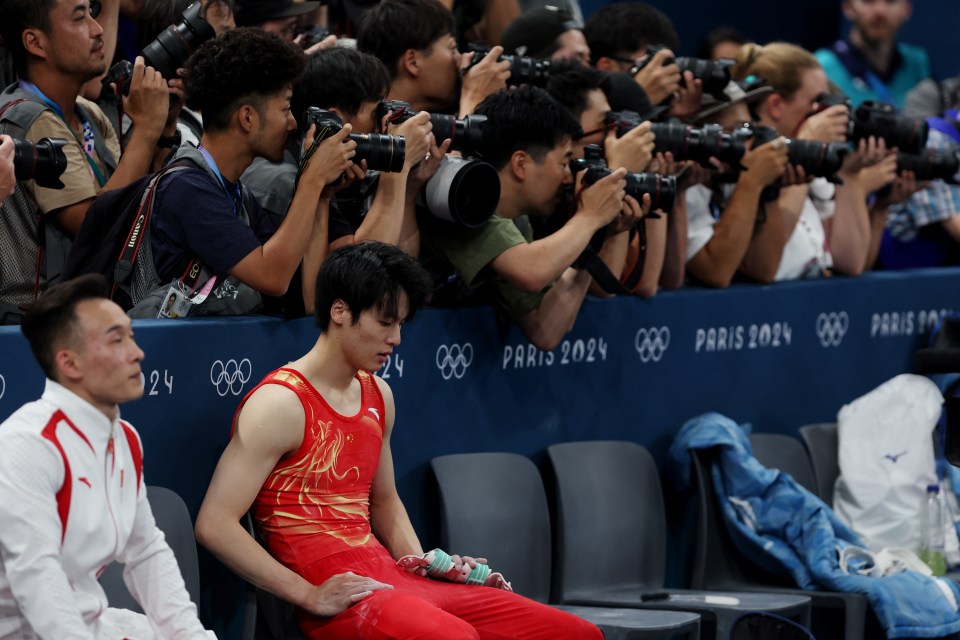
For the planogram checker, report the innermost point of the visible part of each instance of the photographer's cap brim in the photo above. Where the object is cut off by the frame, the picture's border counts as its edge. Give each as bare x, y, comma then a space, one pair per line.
253, 13
534, 32
735, 94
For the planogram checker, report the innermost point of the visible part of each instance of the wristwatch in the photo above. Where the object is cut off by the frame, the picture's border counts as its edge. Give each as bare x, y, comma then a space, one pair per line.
168, 142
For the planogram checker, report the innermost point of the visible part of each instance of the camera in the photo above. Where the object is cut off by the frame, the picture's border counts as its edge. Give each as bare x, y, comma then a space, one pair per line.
818, 159
930, 165
880, 120
686, 142
382, 152
462, 191
714, 74
310, 35
43, 162
662, 189
169, 51
523, 70
466, 136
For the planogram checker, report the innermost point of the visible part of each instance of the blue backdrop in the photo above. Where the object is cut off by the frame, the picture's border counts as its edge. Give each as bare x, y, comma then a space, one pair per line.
777, 356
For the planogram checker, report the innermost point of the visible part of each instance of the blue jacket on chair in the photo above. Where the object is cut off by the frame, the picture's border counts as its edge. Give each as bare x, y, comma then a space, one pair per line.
784, 528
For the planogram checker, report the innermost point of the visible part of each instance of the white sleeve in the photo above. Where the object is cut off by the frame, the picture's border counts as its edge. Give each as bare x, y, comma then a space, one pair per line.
153, 577
31, 474
699, 219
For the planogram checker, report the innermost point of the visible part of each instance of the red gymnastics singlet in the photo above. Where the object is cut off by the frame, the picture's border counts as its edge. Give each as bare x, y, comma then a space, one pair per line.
316, 501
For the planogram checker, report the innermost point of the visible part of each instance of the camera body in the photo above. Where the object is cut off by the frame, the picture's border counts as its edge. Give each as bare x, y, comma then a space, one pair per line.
662, 189
466, 135
169, 51
43, 162
310, 35
714, 74
382, 152
523, 69
880, 120
686, 142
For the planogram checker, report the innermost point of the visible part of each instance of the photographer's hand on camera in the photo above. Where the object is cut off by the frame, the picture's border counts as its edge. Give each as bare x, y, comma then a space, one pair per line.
148, 104
633, 150
883, 173
764, 164
418, 133
658, 79
8, 180
487, 77
688, 98
332, 158
327, 43
601, 202
869, 152
427, 167
829, 125
631, 214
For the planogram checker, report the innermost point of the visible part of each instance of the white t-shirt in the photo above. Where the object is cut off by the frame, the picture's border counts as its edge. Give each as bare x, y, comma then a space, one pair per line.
806, 253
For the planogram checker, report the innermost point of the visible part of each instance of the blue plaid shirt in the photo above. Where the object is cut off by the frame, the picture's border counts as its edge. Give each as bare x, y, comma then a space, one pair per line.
936, 203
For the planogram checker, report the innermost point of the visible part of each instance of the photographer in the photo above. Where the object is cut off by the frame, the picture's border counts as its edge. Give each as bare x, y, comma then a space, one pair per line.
379, 206
619, 36
582, 91
723, 219
824, 228
57, 47
8, 181
282, 17
528, 138
203, 216
414, 38
546, 32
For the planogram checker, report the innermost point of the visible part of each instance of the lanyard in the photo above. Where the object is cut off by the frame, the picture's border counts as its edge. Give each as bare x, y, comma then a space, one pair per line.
87, 144
234, 200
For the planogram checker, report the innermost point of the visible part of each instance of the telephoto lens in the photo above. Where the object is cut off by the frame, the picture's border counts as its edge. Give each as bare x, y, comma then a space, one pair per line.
382, 152
170, 50
662, 189
464, 192
908, 135
466, 136
523, 70
930, 165
43, 162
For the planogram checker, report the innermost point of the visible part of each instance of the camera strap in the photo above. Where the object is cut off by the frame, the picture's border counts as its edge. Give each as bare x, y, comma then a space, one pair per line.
595, 266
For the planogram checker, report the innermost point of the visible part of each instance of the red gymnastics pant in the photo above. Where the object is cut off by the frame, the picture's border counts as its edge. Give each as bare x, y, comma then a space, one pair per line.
425, 609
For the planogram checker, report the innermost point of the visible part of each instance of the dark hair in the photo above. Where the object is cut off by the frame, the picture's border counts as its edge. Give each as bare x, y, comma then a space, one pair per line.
527, 119
715, 37
570, 82
242, 66
616, 30
156, 15
18, 16
369, 275
53, 317
342, 78
390, 27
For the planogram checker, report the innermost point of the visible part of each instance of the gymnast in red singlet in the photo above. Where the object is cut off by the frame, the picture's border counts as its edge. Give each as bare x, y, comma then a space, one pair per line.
310, 458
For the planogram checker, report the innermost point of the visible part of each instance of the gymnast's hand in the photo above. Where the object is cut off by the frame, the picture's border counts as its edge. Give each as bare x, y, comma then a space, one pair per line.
340, 592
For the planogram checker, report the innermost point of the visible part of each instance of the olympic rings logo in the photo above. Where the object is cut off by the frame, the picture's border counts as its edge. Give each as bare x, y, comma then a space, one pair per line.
651, 343
454, 360
831, 327
230, 376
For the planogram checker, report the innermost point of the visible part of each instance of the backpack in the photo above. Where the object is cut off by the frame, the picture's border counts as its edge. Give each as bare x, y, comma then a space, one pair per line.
113, 233
114, 241
32, 252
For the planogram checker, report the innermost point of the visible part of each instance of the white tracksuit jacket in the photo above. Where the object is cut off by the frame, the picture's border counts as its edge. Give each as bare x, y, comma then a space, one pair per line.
70, 504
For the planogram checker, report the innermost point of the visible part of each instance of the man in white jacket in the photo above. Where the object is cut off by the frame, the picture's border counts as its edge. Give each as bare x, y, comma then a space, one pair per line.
72, 495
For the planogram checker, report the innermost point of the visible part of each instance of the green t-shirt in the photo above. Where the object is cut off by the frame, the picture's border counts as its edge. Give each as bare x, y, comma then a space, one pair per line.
470, 252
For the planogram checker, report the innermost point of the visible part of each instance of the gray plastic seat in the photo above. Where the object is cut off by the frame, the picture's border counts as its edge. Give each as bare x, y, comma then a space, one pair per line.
173, 519
493, 505
823, 448
718, 564
611, 538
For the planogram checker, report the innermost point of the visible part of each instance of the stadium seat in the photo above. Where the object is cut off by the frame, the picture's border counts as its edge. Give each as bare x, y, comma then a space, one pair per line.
823, 447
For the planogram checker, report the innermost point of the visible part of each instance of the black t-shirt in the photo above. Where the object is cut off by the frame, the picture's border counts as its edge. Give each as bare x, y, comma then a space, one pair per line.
193, 216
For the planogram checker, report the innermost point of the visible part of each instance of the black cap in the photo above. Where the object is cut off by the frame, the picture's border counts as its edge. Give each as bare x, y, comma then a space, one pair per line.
253, 13
625, 94
534, 32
